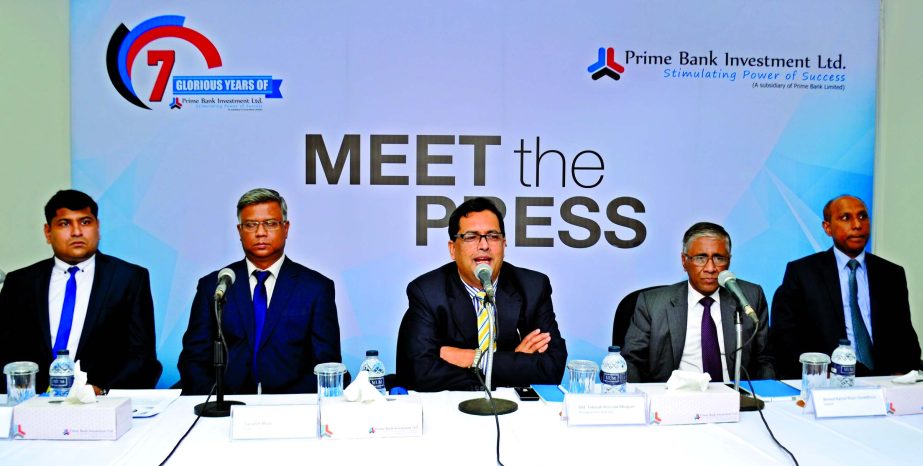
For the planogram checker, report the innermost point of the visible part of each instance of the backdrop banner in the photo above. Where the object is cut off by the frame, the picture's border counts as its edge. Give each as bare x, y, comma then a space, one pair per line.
603, 129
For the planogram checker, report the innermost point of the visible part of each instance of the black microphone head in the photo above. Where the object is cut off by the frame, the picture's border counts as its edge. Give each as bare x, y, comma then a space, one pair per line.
483, 272
226, 272
724, 277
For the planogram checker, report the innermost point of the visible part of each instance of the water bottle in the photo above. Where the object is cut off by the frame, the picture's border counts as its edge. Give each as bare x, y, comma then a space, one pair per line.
614, 376
61, 374
843, 367
376, 370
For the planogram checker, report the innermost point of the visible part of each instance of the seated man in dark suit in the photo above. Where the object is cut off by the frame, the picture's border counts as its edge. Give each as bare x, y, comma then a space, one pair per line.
690, 325
279, 320
97, 307
845, 292
438, 345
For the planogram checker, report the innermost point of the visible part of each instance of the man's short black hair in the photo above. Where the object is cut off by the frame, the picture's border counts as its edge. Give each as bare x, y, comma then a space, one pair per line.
478, 204
69, 199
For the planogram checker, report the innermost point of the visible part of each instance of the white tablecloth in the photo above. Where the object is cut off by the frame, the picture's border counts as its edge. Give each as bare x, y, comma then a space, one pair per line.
534, 435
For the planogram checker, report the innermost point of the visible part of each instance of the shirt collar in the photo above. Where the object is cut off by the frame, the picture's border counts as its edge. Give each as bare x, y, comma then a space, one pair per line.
842, 259
694, 296
273, 269
472, 291
62, 266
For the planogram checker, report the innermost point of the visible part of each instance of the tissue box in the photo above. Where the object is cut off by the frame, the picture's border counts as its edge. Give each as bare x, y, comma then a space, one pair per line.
717, 404
44, 418
903, 399
399, 416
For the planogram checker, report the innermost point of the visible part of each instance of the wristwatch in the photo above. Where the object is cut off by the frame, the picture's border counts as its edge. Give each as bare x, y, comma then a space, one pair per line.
477, 357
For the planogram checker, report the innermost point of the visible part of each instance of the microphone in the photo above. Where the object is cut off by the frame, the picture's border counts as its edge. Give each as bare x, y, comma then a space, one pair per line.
728, 281
226, 278
483, 272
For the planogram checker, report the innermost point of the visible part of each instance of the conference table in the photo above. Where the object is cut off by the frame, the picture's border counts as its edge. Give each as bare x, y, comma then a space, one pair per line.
533, 435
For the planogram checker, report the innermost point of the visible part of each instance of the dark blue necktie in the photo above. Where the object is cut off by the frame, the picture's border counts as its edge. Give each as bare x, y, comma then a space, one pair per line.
260, 304
67, 312
859, 331
711, 352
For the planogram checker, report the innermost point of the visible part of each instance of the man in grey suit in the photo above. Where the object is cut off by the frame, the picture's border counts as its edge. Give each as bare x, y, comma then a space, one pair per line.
677, 326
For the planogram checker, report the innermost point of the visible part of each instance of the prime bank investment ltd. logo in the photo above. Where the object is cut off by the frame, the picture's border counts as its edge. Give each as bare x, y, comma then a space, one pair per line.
606, 65
126, 45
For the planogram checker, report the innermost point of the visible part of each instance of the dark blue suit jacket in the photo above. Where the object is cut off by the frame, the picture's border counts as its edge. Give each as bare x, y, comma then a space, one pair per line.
117, 345
441, 314
301, 330
807, 315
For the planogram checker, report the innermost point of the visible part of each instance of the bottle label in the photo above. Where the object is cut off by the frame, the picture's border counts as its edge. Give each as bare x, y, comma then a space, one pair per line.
614, 378
843, 370
61, 381
378, 382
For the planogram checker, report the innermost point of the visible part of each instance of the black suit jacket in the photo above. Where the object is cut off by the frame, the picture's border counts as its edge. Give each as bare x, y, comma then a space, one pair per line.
301, 330
441, 314
117, 345
657, 334
807, 315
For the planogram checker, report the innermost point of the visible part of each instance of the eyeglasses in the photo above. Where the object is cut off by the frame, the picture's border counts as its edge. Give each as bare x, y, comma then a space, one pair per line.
253, 225
701, 259
472, 237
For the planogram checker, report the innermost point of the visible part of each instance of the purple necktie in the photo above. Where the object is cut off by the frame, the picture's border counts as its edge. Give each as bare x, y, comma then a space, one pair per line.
711, 353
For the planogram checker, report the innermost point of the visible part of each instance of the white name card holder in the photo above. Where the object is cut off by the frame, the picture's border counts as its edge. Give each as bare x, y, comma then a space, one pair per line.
6, 421
849, 402
592, 409
273, 422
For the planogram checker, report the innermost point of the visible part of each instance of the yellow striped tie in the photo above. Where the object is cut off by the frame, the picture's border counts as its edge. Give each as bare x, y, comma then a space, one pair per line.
484, 307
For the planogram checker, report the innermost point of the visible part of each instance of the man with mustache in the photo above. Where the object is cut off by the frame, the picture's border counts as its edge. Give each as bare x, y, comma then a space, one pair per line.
439, 345
279, 319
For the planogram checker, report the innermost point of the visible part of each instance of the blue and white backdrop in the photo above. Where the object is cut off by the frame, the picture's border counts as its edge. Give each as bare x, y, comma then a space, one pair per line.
605, 128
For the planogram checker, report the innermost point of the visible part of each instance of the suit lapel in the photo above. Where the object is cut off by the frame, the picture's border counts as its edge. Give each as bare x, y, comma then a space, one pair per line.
41, 291
876, 288
728, 321
831, 283
509, 305
239, 300
676, 317
461, 309
102, 281
281, 294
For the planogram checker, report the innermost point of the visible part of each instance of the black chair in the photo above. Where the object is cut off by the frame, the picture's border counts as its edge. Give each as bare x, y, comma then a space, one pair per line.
623, 313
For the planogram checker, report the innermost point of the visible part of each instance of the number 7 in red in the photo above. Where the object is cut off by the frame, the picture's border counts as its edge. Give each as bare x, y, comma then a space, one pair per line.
168, 58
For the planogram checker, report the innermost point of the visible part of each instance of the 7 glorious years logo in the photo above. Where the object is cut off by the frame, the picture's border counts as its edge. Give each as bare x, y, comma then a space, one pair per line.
125, 45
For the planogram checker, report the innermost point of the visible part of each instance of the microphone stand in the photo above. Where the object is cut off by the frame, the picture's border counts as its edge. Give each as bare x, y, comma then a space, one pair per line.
747, 403
487, 405
219, 407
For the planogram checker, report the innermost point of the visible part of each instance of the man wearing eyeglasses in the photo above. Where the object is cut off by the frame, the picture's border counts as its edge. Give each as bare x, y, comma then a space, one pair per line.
279, 318
690, 325
845, 292
441, 344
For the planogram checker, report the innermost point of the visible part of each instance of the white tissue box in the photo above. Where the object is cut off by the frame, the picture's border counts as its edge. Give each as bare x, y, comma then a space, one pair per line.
399, 416
903, 399
717, 404
44, 418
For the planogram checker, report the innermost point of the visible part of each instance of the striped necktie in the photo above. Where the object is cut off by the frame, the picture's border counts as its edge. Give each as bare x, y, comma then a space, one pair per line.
484, 308
859, 331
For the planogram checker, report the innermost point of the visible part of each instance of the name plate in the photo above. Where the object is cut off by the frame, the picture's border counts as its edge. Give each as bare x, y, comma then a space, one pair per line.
855, 401
592, 409
6, 421
273, 421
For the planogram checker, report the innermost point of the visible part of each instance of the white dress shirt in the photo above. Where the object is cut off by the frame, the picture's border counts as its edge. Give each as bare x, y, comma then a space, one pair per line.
56, 288
692, 349
270, 280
